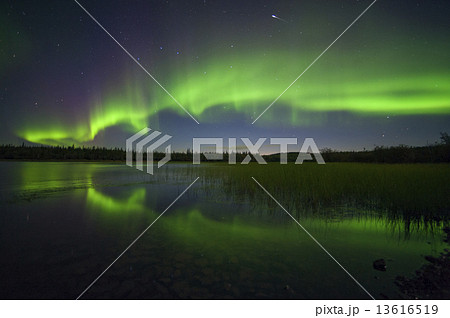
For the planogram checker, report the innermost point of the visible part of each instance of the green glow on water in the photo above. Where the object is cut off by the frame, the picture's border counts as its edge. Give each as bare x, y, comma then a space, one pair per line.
135, 202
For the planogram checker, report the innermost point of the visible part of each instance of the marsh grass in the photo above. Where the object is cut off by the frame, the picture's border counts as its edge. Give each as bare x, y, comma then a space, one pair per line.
412, 192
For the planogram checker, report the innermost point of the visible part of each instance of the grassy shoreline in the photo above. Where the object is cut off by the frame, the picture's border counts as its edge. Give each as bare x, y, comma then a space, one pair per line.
409, 190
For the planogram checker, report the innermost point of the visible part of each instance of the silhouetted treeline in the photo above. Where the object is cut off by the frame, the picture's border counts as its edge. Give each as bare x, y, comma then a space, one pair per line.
24, 152
397, 154
435, 153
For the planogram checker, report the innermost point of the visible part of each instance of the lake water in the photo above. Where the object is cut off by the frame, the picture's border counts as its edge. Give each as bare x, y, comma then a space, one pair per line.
62, 224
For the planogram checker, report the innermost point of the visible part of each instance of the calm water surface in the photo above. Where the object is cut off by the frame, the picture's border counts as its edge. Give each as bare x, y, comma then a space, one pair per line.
62, 224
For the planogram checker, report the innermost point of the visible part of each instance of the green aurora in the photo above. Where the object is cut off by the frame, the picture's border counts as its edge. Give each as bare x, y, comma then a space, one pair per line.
247, 86
391, 63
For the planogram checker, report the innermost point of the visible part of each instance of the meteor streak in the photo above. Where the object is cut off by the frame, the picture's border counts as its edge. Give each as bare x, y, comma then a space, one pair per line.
275, 17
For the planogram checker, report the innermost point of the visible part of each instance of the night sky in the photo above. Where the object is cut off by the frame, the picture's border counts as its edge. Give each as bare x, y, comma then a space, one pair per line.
64, 81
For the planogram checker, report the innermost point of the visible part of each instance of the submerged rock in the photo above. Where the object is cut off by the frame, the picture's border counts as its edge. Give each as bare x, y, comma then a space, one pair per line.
380, 265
